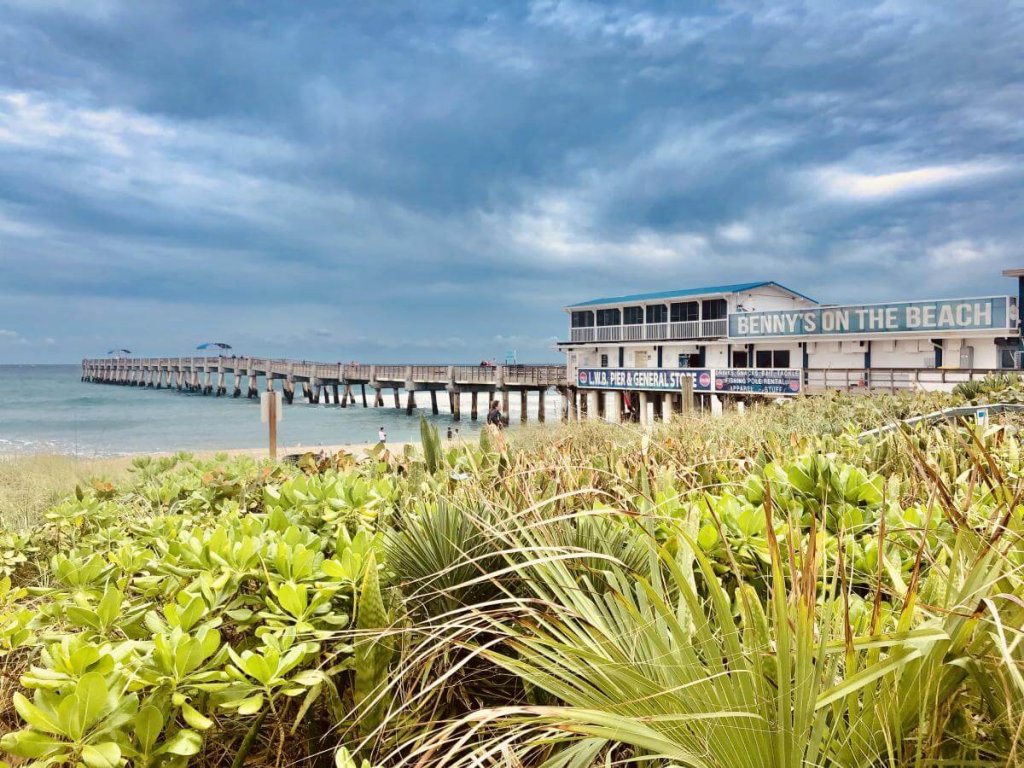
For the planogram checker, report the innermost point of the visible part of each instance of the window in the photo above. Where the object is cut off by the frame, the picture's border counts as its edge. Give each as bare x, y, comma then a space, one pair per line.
657, 313
739, 359
608, 317
604, 361
715, 309
582, 319
685, 311
684, 361
771, 358
633, 316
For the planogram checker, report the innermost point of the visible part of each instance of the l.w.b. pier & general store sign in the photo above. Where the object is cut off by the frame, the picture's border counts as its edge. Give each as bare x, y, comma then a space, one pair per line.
738, 381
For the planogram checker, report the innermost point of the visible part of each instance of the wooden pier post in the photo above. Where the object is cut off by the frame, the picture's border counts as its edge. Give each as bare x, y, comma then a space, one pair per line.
540, 405
254, 388
410, 402
457, 406
222, 385
237, 392
433, 401
307, 392
334, 389
473, 410
504, 402
523, 399
378, 398
398, 400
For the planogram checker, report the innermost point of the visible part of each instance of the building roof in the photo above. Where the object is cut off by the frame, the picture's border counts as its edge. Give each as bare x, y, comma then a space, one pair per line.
705, 291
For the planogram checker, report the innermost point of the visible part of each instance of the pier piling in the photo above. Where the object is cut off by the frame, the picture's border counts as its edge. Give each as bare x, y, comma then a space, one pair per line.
321, 381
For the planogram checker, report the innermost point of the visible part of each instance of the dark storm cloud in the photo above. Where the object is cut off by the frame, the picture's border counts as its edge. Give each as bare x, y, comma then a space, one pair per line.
429, 180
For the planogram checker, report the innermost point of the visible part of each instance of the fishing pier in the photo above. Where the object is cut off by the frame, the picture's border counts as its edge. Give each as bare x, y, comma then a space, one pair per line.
338, 383
641, 394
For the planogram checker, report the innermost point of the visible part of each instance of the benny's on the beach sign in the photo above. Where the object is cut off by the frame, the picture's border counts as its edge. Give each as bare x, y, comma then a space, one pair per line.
993, 312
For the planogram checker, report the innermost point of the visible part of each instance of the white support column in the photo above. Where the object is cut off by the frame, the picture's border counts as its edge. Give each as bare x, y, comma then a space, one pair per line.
613, 406
592, 396
645, 416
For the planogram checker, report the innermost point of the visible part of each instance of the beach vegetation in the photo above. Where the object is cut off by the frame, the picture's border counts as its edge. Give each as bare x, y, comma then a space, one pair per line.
766, 589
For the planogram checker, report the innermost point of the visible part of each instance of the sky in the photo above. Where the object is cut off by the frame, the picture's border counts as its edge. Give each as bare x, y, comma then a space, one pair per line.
435, 181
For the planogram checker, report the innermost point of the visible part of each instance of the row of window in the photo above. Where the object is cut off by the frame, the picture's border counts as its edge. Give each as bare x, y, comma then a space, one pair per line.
763, 358
679, 312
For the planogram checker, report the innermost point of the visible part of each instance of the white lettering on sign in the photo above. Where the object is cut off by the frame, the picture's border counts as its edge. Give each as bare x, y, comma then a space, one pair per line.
976, 314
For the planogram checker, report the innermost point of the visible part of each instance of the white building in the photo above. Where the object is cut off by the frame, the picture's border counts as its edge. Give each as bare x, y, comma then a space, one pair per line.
760, 337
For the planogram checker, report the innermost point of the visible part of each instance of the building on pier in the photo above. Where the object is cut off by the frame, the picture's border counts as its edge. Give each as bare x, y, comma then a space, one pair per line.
761, 337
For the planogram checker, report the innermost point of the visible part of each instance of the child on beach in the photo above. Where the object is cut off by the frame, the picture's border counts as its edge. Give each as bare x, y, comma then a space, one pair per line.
382, 436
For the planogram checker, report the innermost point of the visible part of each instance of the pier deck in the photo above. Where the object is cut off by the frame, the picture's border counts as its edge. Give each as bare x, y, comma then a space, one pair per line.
334, 382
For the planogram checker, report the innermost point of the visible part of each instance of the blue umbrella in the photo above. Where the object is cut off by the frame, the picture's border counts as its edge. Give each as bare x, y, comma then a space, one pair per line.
119, 352
212, 344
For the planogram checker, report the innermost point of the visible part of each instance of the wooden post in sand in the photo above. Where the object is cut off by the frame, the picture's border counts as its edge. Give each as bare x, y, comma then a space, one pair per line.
687, 394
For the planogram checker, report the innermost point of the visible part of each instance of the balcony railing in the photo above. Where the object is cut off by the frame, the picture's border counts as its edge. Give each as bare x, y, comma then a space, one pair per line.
689, 329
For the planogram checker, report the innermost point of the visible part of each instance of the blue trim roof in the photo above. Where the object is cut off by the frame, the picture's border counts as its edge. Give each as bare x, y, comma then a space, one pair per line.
735, 288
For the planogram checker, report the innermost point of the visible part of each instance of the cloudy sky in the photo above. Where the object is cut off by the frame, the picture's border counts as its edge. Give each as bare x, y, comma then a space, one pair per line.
435, 180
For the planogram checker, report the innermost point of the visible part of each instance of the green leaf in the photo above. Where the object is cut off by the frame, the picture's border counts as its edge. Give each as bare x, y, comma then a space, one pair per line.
251, 705
194, 718
105, 755
184, 743
148, 725
91, 692
30, 743
708, 537
34, 716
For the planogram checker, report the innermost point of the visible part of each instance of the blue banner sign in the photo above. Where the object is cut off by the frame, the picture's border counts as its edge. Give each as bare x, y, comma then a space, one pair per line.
737, 381
996, 312
758, 381
658, 379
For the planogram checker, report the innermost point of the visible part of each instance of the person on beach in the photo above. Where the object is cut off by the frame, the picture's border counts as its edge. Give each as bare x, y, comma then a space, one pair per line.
495, 417
382, 436
449, 433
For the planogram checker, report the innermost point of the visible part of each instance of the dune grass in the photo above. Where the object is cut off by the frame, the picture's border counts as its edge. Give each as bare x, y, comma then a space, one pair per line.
29, 485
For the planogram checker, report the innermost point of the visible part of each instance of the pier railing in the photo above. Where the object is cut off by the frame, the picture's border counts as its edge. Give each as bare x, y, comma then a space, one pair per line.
530, 376
675, 331
892, 379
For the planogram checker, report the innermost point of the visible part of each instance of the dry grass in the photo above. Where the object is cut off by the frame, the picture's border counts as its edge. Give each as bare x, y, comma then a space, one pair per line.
29, 485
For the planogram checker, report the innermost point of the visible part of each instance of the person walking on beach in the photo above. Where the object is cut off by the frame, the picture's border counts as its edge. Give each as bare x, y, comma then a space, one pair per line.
449, 433
382, 436
495, 417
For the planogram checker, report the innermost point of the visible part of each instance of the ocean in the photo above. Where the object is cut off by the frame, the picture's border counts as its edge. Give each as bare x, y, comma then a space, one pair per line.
48, 409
